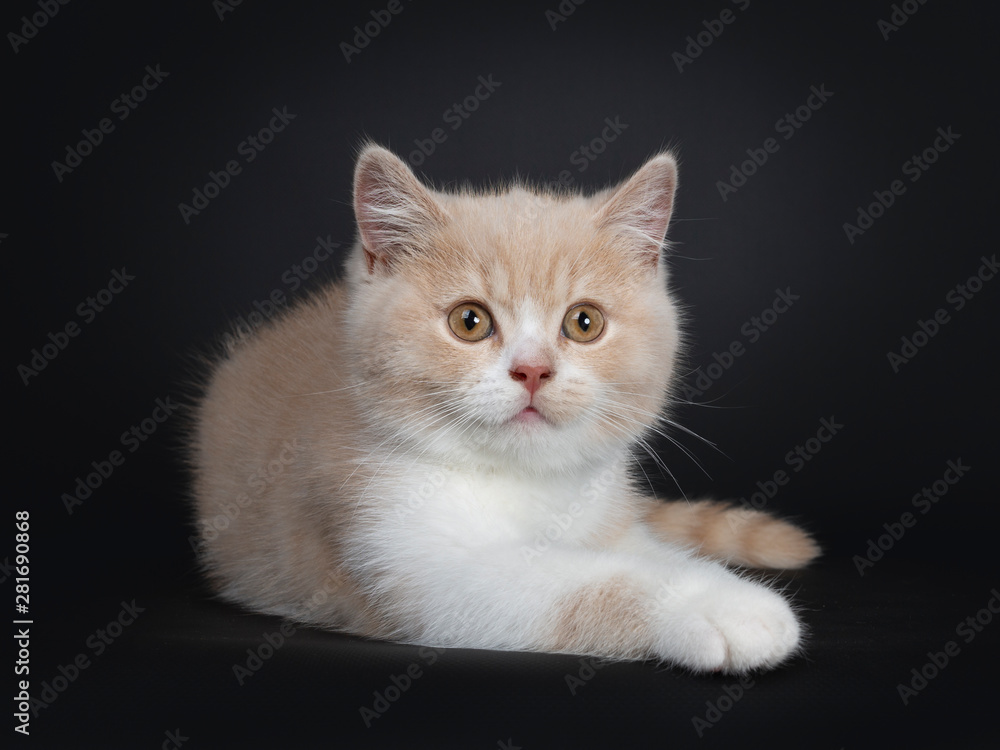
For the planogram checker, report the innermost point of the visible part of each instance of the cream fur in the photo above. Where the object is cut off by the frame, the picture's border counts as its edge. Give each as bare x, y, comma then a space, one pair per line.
359, 467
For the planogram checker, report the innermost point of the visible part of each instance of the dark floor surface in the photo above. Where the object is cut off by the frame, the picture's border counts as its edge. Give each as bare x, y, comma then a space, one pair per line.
185, 666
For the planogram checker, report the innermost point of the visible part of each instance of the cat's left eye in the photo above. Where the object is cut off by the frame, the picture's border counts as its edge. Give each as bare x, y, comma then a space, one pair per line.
583, 323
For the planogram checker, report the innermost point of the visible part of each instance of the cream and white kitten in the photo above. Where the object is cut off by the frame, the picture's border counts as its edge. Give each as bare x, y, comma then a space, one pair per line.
439, 449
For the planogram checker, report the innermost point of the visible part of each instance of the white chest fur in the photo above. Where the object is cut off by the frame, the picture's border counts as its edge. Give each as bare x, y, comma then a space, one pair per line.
479, 507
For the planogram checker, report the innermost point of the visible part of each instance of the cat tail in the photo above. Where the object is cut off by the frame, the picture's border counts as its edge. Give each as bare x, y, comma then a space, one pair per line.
742, 536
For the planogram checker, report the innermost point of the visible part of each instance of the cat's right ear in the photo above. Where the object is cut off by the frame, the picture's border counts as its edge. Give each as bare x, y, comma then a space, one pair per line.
394, 211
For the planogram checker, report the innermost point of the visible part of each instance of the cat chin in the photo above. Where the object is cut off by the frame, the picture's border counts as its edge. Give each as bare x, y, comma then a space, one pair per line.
536, 446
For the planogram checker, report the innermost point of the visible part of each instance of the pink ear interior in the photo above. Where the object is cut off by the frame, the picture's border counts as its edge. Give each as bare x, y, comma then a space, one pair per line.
374, 225
642, 205
392, 208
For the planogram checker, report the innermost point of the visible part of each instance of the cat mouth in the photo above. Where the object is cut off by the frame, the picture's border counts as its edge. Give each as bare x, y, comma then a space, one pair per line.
529, 415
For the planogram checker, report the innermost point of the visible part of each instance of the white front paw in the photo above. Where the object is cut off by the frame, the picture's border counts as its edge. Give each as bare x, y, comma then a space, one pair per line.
732, 629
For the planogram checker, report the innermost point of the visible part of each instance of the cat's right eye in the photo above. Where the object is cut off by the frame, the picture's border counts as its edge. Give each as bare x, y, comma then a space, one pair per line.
470, 322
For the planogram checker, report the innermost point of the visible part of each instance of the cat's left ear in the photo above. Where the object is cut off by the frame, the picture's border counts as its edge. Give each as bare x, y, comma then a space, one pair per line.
639, 209
394, 211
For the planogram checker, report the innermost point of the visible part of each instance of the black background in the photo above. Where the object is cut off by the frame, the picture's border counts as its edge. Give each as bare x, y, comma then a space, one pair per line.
824, 358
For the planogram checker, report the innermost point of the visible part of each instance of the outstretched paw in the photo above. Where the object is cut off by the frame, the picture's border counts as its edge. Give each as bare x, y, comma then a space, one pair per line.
735, 631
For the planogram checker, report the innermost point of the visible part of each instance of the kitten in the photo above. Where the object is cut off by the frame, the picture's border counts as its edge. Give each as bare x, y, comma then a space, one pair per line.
440, 448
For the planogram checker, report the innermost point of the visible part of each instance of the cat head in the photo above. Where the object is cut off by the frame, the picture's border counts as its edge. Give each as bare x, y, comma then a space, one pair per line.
515, 327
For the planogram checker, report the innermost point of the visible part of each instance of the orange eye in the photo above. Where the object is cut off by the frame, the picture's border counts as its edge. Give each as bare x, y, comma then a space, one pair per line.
470, 322
583, 323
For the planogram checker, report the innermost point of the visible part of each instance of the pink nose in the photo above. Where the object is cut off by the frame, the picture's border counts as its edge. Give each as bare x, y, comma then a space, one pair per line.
531, 376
